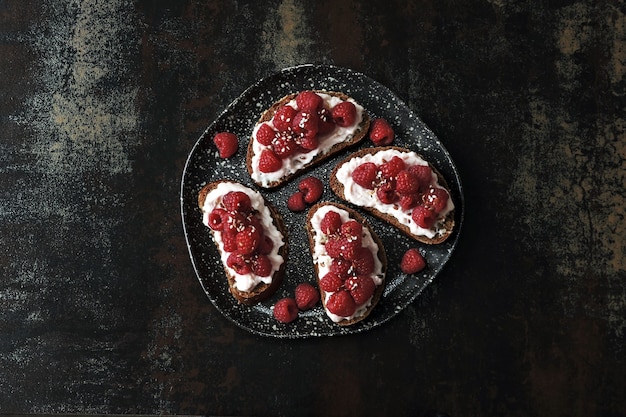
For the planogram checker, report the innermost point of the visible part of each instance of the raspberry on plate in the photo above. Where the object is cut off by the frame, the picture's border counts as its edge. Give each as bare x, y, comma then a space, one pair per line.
296, 202
306, 296
381, 133
412, 261
312, 188
226, 143
285, 310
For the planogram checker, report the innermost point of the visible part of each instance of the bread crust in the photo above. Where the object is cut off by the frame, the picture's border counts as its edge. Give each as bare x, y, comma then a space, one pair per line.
382, 256
267, 115
338, 188
262, 291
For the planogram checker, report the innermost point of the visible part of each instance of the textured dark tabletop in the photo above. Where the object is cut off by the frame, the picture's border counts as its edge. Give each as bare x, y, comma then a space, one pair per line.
100, 308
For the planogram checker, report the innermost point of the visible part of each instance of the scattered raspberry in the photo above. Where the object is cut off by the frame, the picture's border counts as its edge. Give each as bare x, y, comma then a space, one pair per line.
265, 134
363, 263
239, 263
309, 101
283, 118
296, 202
392, 168
436, 198
306, 296
248, 240
312, 188
269, 162
381, 133
407, 183
341, 303
331, 282
365, 175
262, 266
361, 288
344, 114
412, 261
237, 201
285, 310
423, 217
331, 223
226, 143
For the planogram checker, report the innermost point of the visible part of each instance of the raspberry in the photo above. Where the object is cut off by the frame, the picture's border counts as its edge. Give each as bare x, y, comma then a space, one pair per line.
423, 217
312, 188
284, 145
407, 202
226, 143
341, 267
392, 168
306, 296
233, 223
326, 124
361, 288
341, 303
248, 240
216, 218
229, 242
365, 175
285, 310
436, 198
296, 202
305, 123
381, 133
407, 183
331, 282
349, 247
283, 118
423, 173
309, 143
344, 114
266, 245
262, 266
363, 263
265, 134
237, 201
309, 101
333, 247
269, 162
352, 230
386, 193
239, 263
412, 261
331, 223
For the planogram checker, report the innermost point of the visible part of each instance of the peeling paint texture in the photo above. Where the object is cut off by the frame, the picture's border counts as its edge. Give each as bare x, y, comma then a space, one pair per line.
100, 309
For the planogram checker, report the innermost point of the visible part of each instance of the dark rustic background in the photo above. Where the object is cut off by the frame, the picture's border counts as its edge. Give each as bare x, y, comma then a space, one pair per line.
100, 310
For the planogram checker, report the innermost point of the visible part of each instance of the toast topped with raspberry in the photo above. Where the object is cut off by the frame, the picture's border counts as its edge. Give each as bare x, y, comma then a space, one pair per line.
300, 131
398, 186
349, 259
250, 236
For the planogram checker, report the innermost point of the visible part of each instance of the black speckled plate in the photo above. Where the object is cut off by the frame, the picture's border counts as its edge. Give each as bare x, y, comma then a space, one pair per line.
204, 165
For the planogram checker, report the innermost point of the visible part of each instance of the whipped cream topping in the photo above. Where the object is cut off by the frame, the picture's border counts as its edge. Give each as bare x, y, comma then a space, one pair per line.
245, 282
296, 162
363, 197
323, 260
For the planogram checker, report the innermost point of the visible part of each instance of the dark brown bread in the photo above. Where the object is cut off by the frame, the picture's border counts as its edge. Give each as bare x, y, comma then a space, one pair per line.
267, 115
382, 256
338, 189
262, 291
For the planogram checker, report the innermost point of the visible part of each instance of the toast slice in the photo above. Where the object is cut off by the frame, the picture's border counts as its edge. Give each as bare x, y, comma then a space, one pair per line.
294, 138
424, 212
350, 270
250, 236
